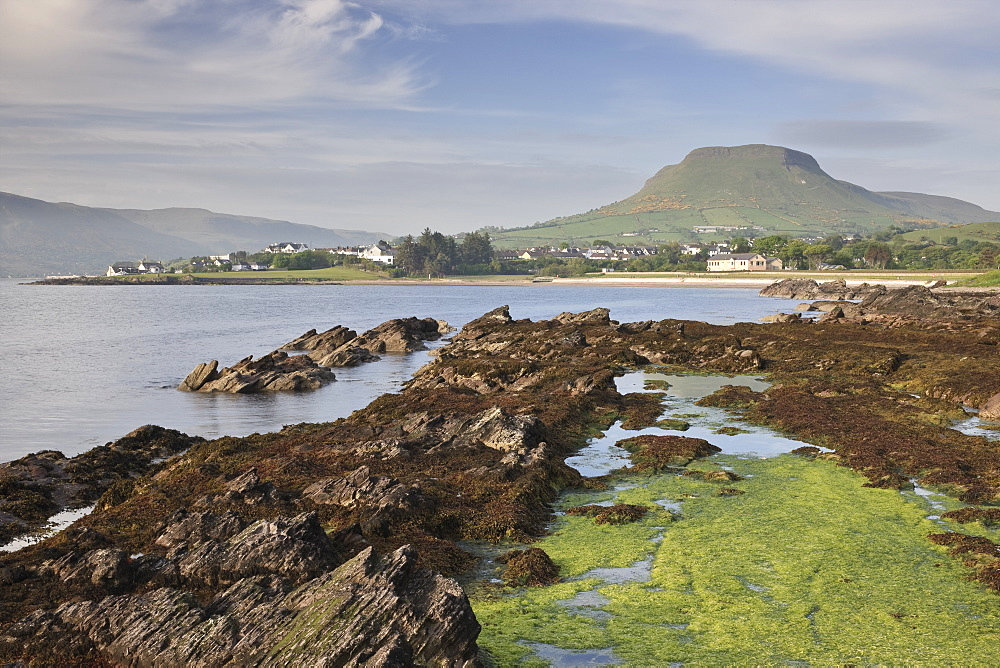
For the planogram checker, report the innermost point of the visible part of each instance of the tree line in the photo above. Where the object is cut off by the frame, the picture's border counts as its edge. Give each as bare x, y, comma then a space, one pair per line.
434, 254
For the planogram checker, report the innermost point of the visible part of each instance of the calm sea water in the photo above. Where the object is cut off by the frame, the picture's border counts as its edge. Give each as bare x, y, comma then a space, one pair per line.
85, 365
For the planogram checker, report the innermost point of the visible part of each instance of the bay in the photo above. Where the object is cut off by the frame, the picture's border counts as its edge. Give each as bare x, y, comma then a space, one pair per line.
85, 365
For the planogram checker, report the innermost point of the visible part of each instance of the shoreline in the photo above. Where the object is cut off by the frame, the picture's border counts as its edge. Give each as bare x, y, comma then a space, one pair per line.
889, 279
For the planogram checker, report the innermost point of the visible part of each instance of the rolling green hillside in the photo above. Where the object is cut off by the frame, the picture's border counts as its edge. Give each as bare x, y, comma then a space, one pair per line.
777, 189
988, 232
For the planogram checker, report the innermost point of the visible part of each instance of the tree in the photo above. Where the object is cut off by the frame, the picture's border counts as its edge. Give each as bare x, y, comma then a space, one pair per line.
834, 241
794, 254
816, 254
878, 255
476, 248
740, 245
770, 246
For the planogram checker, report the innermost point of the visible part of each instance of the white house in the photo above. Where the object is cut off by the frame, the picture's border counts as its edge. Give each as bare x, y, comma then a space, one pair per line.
286, 247
380, 252
743, 262
122, 269
344, 250
147, 267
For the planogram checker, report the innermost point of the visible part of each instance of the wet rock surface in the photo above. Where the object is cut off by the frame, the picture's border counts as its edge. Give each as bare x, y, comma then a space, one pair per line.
263, 549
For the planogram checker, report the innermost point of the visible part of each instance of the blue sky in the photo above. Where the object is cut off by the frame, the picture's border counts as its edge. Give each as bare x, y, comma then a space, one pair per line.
393, 115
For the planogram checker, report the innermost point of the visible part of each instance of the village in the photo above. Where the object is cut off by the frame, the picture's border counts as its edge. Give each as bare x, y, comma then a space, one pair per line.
719, 257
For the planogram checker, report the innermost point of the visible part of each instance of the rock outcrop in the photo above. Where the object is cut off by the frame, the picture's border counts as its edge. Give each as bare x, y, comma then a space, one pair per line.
274, 372
285, 596
807, 288
336, 347
879, 304
990, 411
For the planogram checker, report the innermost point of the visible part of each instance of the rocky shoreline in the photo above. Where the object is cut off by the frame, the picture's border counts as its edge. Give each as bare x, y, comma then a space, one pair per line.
336, 542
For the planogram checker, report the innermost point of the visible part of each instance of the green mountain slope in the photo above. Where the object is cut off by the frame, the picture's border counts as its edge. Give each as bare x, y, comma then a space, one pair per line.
776, 189
39, 238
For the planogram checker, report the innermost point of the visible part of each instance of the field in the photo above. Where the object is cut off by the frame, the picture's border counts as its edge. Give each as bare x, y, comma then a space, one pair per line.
988, 232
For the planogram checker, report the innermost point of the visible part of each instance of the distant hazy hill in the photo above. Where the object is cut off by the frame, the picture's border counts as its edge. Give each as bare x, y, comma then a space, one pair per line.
775, 188
39, 237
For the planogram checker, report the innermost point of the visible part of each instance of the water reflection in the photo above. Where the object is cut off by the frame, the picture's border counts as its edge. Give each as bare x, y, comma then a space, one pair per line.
57, 523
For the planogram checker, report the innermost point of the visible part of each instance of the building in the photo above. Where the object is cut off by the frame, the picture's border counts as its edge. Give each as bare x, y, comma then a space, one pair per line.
743, 262
343, 250
286, 247
380, 252
122, 269
132, 268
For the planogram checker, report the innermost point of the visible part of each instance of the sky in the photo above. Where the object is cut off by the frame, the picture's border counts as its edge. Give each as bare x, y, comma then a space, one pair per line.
395, 115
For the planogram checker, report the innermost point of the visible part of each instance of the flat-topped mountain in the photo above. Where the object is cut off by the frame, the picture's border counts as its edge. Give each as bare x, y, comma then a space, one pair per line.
776, 189
38, 237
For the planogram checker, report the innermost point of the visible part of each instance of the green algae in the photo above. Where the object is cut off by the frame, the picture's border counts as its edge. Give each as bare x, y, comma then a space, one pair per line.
807, 565
534, 613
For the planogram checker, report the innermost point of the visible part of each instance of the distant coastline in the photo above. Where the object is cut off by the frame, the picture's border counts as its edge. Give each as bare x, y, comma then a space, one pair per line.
631, 279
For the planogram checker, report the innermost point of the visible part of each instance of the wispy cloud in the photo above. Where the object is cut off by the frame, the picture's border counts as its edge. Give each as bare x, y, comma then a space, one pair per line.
188, 55
944, 55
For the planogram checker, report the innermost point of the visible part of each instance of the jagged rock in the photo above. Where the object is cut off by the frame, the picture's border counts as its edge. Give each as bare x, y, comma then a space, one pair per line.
203, 373
276, 371
920, 302
329, 340
496, 429
108, 568
368, 611
401, 335
488, 321
806, 288
587, 384
991, 409
782, 317
296, 549
597, 316
246, 488
361, 488
347, 355
187, 529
